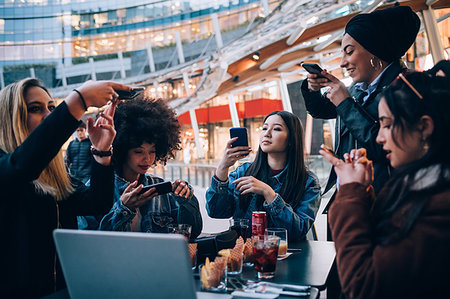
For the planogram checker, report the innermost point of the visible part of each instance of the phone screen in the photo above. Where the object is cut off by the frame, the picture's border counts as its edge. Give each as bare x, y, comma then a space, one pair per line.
241, 134
128, 95
313, 68
161, 188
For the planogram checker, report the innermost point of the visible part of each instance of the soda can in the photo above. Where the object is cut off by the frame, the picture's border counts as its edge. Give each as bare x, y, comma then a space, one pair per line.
259, 224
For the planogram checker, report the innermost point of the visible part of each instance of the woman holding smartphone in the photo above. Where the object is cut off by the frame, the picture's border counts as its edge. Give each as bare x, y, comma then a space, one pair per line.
277, 181
38, 194
396, 244
147, 133
372, 47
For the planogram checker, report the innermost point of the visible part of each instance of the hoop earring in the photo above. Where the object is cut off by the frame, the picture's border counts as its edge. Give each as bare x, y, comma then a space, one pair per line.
380, 64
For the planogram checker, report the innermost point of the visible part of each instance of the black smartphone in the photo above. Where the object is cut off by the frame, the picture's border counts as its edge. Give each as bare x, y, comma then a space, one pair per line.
129, 95
161, 188
241, 134
313, 68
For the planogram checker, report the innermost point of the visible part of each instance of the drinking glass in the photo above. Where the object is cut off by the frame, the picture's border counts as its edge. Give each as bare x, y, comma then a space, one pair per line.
159, 209
240, 226
282, 234
265, 251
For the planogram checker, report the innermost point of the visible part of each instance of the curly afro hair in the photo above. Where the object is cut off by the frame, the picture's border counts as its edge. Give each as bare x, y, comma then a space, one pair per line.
145, 120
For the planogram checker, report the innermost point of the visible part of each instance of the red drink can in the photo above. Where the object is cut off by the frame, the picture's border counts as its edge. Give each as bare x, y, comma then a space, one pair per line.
259, 224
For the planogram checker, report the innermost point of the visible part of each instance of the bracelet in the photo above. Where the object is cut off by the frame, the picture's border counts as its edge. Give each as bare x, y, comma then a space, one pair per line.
98, 153
82, 99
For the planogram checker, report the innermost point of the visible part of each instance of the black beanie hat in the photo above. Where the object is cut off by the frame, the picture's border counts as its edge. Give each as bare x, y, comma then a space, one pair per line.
386, 33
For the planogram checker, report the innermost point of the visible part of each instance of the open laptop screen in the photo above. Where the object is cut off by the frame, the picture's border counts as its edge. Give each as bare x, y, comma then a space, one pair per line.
99, 264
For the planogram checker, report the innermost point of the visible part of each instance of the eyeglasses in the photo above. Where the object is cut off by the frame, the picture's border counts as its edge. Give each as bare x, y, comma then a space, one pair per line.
410, 86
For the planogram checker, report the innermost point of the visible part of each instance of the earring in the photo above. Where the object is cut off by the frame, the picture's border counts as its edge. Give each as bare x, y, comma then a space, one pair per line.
425, 145
373, 64
380, 64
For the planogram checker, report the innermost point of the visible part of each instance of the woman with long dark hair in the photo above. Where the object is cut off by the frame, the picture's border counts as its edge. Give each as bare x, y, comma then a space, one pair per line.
396, 245
277, 182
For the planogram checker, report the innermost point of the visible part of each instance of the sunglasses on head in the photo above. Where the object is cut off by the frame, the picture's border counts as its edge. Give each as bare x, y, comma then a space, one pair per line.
410, 85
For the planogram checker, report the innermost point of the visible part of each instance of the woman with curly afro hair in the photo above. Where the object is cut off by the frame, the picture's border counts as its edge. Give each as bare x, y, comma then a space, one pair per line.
148, 133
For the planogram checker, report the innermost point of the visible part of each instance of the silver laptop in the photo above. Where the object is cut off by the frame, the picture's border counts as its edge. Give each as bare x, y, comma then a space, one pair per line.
98, 264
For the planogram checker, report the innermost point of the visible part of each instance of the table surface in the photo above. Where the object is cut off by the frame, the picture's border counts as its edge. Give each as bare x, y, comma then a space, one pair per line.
309, 266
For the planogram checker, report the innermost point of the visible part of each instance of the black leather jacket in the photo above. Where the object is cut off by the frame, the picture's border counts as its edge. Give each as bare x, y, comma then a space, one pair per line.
356, 124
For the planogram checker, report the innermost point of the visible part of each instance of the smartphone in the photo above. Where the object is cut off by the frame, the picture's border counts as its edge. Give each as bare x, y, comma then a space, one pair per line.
313, 68
241, 134
129, 95
161, 188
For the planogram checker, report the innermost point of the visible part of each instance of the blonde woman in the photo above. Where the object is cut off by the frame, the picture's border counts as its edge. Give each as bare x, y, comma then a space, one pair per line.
38, 194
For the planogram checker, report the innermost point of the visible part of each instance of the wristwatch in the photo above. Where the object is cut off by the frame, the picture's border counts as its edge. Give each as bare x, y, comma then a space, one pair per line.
98, 153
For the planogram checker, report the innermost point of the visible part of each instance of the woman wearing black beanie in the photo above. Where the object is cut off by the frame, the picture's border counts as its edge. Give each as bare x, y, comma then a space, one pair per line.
371, 50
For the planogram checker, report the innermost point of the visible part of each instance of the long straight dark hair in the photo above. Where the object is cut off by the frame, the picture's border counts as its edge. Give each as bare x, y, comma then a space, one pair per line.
294, 186
407, 109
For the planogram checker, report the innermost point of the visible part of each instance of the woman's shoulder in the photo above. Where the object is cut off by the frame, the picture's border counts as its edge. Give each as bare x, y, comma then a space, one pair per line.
312, 179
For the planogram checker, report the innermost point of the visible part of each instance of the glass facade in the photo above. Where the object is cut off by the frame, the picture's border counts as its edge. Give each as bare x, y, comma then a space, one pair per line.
40, 31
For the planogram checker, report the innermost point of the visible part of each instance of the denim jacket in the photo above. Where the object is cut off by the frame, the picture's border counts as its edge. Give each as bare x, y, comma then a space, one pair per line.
180, 210
222, 201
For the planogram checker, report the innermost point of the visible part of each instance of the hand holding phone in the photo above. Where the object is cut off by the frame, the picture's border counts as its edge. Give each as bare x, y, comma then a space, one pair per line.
129, 95
241, 134
161, 188
314, 68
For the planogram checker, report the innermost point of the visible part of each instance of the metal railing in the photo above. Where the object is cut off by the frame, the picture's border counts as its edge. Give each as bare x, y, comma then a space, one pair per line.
200, 174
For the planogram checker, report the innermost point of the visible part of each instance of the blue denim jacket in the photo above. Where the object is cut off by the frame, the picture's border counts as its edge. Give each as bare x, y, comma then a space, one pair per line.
222, 201
180, 210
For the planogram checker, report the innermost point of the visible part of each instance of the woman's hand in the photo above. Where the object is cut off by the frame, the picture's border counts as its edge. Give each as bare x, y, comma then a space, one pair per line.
337, 91
99, 93
93, 93
315, 83
353, 170
181, 188
131, 197
231, 155
249, 184
102, 132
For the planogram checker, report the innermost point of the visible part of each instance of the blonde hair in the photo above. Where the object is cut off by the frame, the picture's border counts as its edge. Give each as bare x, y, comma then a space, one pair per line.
54, 179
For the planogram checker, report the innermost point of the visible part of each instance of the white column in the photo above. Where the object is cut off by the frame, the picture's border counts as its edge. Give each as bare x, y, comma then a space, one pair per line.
32, 73
434, 38
155, 86
285, 99
2, 79
63, 75
308, 133
233, 111
196, 133
151, 61
217, 33
265, 5
179, 47
91, 63
122, 66
186, 88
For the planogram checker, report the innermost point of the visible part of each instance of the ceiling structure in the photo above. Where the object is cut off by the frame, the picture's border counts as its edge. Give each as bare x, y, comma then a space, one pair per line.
295, 32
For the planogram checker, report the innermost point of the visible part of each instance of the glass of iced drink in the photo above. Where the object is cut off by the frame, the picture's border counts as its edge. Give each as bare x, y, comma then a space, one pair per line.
282, 234
240, 226
265, 252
